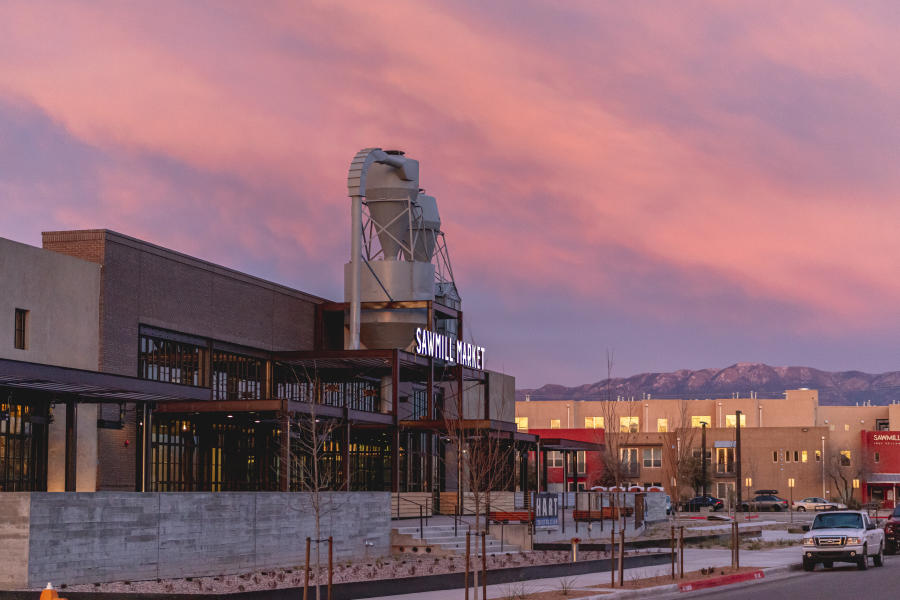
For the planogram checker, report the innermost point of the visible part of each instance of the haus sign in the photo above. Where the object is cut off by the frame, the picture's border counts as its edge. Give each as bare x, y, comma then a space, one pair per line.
448, 348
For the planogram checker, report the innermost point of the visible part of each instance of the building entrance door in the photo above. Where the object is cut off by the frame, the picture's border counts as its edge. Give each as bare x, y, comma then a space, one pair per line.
725, 491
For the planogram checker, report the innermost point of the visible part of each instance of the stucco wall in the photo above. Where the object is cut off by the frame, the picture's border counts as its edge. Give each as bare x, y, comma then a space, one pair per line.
14, 517
62, 296
110, 536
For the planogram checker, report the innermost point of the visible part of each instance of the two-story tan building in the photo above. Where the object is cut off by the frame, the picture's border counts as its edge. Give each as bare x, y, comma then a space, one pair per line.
782, 439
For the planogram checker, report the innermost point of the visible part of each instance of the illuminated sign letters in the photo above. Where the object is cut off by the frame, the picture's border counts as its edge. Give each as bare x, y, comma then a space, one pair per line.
448, 348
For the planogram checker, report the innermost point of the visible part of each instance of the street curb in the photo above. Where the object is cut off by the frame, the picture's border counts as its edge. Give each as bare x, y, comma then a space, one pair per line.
670, 588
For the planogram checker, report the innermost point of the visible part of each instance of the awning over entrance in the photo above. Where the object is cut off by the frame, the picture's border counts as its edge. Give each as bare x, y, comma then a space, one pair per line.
92, 385
563, 444
887, 478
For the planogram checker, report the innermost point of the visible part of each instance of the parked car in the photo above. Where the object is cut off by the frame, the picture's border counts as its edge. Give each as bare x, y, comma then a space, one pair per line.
892, 532
765, 502
695, 504
815, 503
668, 504
842, 536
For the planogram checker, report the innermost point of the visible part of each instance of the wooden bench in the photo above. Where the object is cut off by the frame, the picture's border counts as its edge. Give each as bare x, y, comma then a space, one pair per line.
522, 516
607, 512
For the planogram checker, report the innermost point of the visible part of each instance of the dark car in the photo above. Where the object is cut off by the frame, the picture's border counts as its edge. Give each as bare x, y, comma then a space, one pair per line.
766, 502
892, 532
695, 504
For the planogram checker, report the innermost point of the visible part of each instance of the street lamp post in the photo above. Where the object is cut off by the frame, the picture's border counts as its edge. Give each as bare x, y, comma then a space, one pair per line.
703, 454
791, 507
749, 482
823, 467
856, 487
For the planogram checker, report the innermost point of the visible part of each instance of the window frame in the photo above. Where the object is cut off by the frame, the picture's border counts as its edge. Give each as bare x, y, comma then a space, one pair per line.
20, 329
629, 424
697, 420
654, 460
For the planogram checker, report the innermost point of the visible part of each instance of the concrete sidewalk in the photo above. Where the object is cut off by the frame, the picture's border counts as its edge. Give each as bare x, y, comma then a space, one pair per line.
694, 559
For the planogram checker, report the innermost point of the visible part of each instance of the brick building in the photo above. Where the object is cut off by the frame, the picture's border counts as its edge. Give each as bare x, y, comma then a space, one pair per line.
188, 376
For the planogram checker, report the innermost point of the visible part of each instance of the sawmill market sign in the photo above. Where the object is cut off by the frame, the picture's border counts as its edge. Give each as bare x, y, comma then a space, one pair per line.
445, 347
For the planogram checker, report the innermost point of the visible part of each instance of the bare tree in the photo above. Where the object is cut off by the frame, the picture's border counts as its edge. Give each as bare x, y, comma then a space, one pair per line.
310, 436
678, 450
840, 470
621, 421
483, 460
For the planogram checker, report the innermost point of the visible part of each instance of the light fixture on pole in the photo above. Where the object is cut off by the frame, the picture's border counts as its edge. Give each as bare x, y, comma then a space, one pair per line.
748, 482
791, 507
823, 467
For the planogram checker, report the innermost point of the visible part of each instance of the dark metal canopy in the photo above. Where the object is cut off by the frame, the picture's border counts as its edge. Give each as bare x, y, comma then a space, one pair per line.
569, 445
376, 363
91, 384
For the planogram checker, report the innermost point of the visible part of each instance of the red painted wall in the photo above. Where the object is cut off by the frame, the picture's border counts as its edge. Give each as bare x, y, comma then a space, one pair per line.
593, 461
887, 445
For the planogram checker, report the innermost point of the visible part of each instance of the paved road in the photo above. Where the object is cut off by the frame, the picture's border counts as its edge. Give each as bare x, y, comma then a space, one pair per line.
844, 581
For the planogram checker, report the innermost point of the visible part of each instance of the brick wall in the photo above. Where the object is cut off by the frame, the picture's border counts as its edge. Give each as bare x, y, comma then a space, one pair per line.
118, 460
110, 536
145, 284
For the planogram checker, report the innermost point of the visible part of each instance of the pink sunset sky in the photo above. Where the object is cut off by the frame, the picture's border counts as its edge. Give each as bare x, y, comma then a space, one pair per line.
690, 184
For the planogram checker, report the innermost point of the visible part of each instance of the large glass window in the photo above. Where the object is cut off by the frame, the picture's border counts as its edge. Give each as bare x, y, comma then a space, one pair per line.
23, 448
731, 421
698, 420
662, 425
724, 460
172, 361
629, 456
522, 423
845, 458
237, 377
629, 424
593, 423
652, 457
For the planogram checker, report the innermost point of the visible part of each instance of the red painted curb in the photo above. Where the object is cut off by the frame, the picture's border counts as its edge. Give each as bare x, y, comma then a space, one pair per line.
723, 580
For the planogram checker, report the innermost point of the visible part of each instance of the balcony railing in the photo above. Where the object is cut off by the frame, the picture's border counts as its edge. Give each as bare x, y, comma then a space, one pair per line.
629, 469
724, 470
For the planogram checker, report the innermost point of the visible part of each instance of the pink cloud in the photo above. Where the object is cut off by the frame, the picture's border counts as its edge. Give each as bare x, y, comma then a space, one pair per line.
580, 147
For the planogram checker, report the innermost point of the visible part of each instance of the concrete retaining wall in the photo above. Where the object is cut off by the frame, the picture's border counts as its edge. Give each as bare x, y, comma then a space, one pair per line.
112, 536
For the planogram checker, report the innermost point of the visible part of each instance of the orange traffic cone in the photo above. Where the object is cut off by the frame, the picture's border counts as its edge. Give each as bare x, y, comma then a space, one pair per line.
48, 593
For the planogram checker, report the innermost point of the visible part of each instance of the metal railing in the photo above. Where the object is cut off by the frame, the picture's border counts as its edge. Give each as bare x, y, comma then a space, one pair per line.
428, 508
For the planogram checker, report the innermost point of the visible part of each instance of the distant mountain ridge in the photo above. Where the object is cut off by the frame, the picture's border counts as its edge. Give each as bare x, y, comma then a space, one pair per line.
841, 387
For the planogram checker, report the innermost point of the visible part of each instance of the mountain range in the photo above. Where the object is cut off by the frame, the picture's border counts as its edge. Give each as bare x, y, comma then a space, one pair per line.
839, 387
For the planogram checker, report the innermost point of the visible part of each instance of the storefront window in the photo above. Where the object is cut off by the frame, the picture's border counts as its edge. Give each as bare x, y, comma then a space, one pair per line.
629, 424
172, 361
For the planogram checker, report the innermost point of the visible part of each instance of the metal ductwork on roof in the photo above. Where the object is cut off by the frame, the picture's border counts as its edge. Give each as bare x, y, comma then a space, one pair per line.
397, 250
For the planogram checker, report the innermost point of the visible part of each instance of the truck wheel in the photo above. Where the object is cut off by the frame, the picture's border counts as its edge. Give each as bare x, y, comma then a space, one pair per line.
890, 548
878, 559
801, 509
808, 565
862, 563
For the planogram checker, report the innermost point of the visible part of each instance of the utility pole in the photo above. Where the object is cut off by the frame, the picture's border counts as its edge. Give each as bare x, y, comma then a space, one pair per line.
703, 454
737, 458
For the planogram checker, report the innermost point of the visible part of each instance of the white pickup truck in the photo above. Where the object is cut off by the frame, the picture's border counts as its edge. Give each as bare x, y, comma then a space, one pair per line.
842, 536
